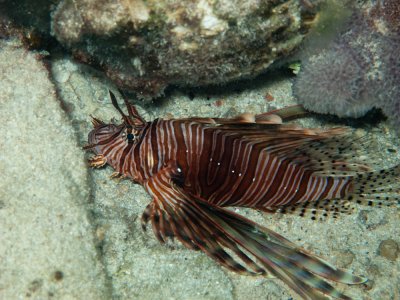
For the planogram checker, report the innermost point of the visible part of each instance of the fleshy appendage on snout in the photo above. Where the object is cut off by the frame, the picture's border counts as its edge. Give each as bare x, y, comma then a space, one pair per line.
99, 140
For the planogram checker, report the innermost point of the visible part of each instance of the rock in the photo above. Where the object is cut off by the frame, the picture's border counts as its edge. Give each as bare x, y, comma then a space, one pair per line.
389, 249
46, 247
147, 45
29, 14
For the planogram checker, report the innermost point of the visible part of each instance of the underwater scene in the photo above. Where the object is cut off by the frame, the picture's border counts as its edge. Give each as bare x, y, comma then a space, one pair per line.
210, 149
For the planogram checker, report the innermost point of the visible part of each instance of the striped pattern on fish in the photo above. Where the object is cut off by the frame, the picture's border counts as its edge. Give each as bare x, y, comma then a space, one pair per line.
195, 167
227, 168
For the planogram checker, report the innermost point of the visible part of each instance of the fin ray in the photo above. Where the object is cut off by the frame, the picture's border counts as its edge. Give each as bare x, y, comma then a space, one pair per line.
217, 230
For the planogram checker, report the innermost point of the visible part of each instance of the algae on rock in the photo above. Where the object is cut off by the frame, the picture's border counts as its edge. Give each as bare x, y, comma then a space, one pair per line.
147, 45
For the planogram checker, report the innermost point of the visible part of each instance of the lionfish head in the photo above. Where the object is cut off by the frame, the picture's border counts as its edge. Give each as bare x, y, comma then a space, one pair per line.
107, 135
102, 135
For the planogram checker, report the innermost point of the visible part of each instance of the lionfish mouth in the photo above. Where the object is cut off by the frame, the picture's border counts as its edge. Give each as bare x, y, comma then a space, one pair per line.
92, 137
92, 140
97, 123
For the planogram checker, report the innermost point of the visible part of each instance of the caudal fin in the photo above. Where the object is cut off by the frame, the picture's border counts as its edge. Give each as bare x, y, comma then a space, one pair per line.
377, 187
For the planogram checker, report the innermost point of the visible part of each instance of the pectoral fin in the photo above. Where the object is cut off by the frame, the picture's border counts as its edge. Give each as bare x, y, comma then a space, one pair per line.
220, 233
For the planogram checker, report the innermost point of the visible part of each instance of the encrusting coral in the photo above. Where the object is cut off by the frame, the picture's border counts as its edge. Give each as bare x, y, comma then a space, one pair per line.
359, 69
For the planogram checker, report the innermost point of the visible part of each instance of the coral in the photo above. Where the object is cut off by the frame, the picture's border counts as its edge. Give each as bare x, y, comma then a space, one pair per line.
359, 70
391, 82
334, 81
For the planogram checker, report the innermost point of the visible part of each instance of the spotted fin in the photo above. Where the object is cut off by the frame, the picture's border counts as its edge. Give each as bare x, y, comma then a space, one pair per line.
378, 181
374, 188
319, 210
219, 232
342, 155
377, 188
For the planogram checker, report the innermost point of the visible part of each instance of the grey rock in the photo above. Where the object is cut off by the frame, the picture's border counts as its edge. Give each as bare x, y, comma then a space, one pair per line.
147, 45
47, 247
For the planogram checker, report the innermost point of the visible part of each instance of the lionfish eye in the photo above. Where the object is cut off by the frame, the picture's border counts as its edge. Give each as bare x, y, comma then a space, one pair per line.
130, 137
127, 133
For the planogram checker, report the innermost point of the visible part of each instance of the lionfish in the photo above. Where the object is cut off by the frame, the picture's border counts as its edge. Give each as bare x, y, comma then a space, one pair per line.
195, 168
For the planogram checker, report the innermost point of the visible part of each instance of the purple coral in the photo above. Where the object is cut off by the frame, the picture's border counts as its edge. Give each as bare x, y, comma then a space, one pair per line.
333, 81
360, 69
391, 98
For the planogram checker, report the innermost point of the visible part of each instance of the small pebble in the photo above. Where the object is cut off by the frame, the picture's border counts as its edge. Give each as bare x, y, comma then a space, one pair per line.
35, 285
101, 233
371, 218
219, 103
58, 275
373, 271
344, 258
389, 249
268, 97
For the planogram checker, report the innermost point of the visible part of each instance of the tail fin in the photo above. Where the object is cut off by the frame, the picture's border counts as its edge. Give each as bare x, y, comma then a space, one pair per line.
377, 187
295, 266
219, 232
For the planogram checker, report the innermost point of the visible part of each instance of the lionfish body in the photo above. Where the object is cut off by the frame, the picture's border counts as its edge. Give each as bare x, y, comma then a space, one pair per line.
193, 168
